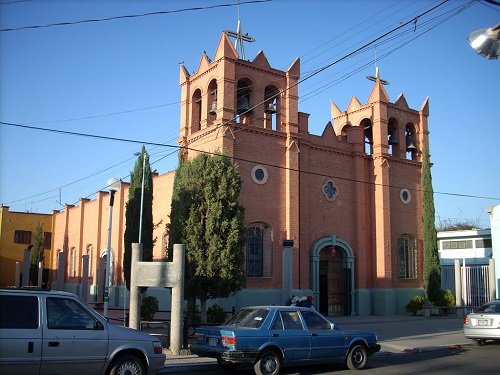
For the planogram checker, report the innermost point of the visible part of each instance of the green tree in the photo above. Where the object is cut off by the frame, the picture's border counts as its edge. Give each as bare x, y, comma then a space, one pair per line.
37, 254
432, 270
207, 217
133, 214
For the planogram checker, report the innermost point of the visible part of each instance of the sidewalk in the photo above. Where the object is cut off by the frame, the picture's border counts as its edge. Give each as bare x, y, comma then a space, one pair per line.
396, 334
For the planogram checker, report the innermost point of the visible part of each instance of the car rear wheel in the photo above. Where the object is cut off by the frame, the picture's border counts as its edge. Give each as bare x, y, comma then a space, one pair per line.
357, 357
269, 363
128, 365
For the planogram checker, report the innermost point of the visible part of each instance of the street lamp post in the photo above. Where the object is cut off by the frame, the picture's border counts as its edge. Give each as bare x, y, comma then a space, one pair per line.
113, 186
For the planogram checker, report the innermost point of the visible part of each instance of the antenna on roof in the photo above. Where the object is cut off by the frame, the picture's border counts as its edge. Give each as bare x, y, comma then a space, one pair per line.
377, 73
239, 38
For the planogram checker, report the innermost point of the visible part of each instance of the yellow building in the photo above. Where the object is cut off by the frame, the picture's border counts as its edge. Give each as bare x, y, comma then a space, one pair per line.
17, 232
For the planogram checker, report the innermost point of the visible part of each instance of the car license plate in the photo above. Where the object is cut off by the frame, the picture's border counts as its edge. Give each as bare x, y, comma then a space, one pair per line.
483, 322
212, 341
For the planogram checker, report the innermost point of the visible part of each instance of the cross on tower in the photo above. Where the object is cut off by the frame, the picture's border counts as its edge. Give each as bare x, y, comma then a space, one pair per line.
239, 39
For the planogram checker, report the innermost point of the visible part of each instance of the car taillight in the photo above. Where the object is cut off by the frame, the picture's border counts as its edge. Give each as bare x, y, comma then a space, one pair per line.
228, 340
157, 347
466, 320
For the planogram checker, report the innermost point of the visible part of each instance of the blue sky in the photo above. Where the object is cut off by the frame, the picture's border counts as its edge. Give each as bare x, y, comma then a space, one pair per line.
120, 78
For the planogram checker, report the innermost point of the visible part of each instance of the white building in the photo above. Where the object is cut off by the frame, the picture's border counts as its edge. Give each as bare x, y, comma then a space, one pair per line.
473, 251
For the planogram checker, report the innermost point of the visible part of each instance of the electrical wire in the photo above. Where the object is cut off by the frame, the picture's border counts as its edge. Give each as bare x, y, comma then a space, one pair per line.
132, 16
176, 147
315, 72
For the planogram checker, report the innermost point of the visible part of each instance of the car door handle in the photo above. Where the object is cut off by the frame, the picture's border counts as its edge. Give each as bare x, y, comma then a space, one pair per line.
30, 347
53, 344
314, 334
275, 335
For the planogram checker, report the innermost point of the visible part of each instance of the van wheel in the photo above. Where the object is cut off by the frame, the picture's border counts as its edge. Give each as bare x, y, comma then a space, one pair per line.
128, 365
269, 363
357, 358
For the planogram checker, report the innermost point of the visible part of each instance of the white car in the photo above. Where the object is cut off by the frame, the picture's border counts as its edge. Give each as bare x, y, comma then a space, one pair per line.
484, 323
48, 332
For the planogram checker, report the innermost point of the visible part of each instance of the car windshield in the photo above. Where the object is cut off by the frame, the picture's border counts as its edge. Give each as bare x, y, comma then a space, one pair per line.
250, 318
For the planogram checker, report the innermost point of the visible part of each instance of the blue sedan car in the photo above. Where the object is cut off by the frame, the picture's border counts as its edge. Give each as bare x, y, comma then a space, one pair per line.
270, 337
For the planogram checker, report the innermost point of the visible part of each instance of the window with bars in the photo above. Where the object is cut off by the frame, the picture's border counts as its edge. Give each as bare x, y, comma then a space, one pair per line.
22, 236
258, 250
407, 257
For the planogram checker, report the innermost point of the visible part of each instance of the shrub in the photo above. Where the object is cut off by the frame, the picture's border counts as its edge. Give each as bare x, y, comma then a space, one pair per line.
445, 298
216, 314
416, 304
149, 308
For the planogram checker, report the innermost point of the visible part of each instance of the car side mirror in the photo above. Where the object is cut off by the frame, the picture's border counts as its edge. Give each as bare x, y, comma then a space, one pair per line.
98, 326
333, 326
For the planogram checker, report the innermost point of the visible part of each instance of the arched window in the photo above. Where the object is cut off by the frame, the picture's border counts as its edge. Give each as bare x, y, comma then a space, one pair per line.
196, 111
243, 103
407, 257
392, 137
271, 107
367, 125
411, 142
259, 250
212, 102
343, 132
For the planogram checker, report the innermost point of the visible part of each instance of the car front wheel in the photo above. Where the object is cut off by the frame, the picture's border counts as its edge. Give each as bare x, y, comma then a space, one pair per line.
128, 365
357, 357
269, 363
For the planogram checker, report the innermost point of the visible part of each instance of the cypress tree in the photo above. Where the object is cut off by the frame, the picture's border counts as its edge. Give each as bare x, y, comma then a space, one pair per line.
207, 217
432, 270
37, 254
133, 211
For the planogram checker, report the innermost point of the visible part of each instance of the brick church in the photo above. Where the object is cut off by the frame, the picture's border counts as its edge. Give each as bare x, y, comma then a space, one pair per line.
350, 198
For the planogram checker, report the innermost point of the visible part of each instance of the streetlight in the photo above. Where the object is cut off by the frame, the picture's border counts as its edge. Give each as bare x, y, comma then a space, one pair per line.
486, 42
113, 186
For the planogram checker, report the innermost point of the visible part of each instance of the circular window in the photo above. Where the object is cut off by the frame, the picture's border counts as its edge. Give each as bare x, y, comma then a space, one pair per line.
330, 190
405, 196
259, 174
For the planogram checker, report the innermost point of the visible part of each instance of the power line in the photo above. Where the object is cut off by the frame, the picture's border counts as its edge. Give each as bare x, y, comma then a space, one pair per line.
133, 16
91, 117
176, 147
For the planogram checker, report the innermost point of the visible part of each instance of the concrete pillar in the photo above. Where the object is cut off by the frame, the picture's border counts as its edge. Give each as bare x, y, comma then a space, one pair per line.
61, 268
176, 319
26, 267
134, 309
84, 292
17, 277
491, 280
286, 270
40, 274
458, 287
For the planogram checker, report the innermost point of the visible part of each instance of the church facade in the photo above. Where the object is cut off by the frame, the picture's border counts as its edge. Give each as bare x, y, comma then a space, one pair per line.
350, 198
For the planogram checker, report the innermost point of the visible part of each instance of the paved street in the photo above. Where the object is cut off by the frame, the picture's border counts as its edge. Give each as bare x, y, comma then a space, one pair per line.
408, 343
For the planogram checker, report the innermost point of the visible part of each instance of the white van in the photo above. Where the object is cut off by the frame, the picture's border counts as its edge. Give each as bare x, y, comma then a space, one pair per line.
49, 332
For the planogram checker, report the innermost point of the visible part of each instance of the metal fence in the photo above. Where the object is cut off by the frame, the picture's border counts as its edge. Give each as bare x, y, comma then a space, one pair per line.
475, 284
